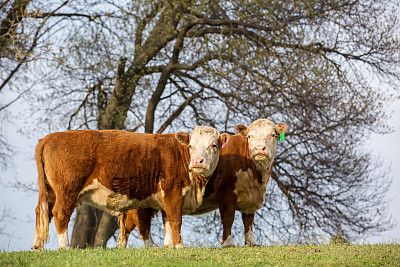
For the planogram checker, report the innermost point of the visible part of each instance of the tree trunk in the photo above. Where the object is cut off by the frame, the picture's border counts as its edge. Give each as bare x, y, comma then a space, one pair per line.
114, 113
86, 221
94, 227
105, 229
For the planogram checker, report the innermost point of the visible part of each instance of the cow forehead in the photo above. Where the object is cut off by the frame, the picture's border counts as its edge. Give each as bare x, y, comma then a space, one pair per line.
203, 135
261, 126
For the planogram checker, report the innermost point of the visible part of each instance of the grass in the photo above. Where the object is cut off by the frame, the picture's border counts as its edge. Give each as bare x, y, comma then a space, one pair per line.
298, 255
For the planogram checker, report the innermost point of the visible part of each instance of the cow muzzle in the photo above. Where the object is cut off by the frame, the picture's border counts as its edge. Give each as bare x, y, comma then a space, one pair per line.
197, 163
261, 152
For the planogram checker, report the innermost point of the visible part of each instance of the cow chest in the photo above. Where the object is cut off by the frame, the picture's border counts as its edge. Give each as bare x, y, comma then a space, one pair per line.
249, 191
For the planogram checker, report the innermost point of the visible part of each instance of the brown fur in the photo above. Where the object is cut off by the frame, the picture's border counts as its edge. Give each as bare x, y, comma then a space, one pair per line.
220, 188
129, 164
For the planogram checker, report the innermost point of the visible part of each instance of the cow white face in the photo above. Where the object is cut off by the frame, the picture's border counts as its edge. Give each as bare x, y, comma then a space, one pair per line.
262, 136
204, 146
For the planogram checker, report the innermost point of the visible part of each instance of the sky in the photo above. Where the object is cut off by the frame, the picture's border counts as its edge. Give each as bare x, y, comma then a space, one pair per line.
20, 226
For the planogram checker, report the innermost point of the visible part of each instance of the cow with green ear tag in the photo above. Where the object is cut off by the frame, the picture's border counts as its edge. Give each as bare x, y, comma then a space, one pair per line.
241, 178
262, 136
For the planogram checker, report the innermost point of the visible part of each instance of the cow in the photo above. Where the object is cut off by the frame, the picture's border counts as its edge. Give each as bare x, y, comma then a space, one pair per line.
238, 183
117, 171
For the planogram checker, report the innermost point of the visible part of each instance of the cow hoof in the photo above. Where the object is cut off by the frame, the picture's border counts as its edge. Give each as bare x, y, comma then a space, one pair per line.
254, 245
228, 243
148, 243
168, 246
155, 246
37, 248
179, 246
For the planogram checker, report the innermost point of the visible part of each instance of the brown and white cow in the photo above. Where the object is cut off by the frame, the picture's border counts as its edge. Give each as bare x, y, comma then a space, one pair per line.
238, 183
117, 171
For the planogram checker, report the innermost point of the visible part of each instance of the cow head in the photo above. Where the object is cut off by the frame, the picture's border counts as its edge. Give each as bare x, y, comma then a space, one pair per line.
204, 146
262, 136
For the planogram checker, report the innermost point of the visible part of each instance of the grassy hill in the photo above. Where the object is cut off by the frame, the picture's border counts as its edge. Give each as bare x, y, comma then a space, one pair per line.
299, 255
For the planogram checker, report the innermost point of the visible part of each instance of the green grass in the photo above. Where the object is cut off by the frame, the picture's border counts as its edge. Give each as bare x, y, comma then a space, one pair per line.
299, 255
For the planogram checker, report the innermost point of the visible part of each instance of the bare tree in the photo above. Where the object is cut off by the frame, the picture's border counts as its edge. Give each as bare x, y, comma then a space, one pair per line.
168, 65
22, 40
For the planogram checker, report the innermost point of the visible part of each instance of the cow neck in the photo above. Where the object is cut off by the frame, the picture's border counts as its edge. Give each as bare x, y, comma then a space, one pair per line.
265, 168
198, 179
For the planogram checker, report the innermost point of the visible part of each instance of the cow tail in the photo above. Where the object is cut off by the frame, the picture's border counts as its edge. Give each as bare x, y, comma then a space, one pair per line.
42, 209
121, 222
122, 239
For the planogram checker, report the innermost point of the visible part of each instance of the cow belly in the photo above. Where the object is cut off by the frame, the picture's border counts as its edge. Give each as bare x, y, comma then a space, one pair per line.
101, 197
250, 193
209, 204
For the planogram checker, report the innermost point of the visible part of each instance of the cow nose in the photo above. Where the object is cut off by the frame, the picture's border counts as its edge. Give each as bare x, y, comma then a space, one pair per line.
197, 162
260, 148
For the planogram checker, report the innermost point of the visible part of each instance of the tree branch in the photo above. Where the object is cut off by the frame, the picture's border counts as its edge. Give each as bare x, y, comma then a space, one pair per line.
178, 111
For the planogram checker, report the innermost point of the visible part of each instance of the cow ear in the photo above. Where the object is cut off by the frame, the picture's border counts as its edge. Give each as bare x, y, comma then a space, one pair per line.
281, 127
224, 139
242, 130
183, 138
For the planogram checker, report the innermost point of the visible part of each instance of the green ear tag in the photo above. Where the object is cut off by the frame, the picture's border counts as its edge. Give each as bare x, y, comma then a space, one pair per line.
281, 137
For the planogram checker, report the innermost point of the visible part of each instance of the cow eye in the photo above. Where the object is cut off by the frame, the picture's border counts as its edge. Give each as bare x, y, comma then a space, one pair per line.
189, 146
249, 136
273, 135
214, 145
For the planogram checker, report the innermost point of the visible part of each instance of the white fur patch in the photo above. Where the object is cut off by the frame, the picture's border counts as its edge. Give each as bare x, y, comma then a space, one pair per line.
193, 196
99, 196
249, 239
168, 242
180, 245
63, 242
250, 193
185, 189
161, 190
229, 242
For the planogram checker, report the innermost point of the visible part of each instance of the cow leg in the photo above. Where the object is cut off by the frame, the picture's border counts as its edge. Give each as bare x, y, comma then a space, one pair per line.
248, 230
62, 213
227, 206
129, 220
173, 210
167, 230
144, 225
